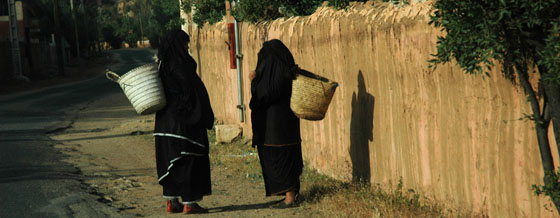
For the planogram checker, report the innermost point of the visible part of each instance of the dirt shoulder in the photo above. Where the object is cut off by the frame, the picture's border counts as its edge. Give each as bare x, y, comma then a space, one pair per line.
114, 149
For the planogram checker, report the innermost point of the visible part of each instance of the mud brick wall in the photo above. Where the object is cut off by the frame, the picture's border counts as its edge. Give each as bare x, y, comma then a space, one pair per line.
452, 137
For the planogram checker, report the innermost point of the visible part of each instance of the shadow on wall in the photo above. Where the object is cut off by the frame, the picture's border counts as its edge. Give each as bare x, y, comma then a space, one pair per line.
361, 131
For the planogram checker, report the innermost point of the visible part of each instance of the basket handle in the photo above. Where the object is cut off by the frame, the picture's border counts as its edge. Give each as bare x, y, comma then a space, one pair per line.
311, 75
112, 75
334, 85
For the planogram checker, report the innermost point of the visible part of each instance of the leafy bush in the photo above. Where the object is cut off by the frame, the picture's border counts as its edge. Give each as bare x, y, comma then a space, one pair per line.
165, 15
551, 189
342, 4
257, 10
299, 8
211, 11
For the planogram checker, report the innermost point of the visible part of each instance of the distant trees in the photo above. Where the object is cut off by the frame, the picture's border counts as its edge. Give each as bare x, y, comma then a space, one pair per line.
86, 12
131, 20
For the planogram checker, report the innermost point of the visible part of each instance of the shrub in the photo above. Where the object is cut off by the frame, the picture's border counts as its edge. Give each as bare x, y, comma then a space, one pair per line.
212, 11
257, 10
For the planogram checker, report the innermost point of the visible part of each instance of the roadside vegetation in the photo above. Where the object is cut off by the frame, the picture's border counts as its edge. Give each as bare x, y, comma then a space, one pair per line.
327, 197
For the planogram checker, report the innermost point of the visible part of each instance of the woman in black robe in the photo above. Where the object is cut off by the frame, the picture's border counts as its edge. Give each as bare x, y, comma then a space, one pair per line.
276, 130
182, 161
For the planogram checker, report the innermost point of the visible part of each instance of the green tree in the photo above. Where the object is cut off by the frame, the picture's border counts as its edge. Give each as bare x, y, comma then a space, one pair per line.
212, 11
128, 30
522, 35
137, 19
108, 21
165, 15
141, 8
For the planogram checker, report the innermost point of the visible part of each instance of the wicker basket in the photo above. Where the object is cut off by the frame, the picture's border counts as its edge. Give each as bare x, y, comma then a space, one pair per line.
311, 95
143, 88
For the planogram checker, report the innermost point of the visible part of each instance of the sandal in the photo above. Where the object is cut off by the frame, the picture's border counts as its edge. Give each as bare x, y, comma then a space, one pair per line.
173, 208
194, 209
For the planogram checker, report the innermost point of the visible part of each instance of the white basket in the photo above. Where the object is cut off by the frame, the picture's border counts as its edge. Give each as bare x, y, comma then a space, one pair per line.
143, 88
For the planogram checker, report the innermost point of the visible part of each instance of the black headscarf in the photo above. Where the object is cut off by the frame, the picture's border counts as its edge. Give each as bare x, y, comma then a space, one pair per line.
275, 70
187, 98
172, 50
272, 88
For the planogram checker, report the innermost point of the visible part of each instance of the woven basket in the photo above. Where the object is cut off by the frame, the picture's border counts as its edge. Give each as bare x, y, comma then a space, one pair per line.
311, 95
143, 88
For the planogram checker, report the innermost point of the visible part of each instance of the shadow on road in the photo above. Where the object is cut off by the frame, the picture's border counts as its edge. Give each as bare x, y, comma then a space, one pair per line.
105, 136
242, 207
38, 172
78, 139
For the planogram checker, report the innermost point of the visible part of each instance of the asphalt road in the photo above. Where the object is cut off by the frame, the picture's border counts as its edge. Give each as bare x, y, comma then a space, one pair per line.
34, 182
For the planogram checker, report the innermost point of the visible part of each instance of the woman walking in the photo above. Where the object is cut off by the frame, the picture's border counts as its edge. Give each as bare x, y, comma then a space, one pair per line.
276, 130
182, 161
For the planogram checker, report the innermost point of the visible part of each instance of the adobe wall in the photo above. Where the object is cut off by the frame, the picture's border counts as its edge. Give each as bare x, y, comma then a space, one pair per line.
452, 137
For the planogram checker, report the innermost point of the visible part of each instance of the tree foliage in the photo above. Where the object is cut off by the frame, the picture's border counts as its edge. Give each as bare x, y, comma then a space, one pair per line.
165, 15
255, 10
479, 32
130, 20
212, 11
85, 17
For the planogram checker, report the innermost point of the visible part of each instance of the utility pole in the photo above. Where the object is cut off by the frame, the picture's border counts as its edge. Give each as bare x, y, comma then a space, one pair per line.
97, 33
75, 28
140, 18
58, 38
14, 39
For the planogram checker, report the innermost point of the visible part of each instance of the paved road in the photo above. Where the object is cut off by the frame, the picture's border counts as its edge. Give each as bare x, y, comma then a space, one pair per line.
34, 182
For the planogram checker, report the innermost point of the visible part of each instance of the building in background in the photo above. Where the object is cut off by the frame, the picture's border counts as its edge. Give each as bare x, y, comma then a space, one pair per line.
37, 55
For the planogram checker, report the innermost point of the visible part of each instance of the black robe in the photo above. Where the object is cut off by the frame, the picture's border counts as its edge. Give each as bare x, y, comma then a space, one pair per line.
276, 130
182, 161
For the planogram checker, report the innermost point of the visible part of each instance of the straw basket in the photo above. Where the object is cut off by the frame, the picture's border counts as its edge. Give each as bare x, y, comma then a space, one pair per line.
143, 88
311, 95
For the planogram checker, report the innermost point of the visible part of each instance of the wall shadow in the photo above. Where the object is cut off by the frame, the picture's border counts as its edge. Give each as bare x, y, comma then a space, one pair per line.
361, 131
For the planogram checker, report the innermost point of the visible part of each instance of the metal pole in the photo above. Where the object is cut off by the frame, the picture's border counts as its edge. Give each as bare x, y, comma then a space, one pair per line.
75, 28
238, 57
58, 38
14, 38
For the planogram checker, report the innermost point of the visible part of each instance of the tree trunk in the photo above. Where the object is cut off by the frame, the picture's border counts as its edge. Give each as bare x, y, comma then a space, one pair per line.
541, 126
552, 94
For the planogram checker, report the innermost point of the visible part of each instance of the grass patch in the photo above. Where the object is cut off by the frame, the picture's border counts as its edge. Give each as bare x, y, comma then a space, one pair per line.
332, 198
322, 196
239, 157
